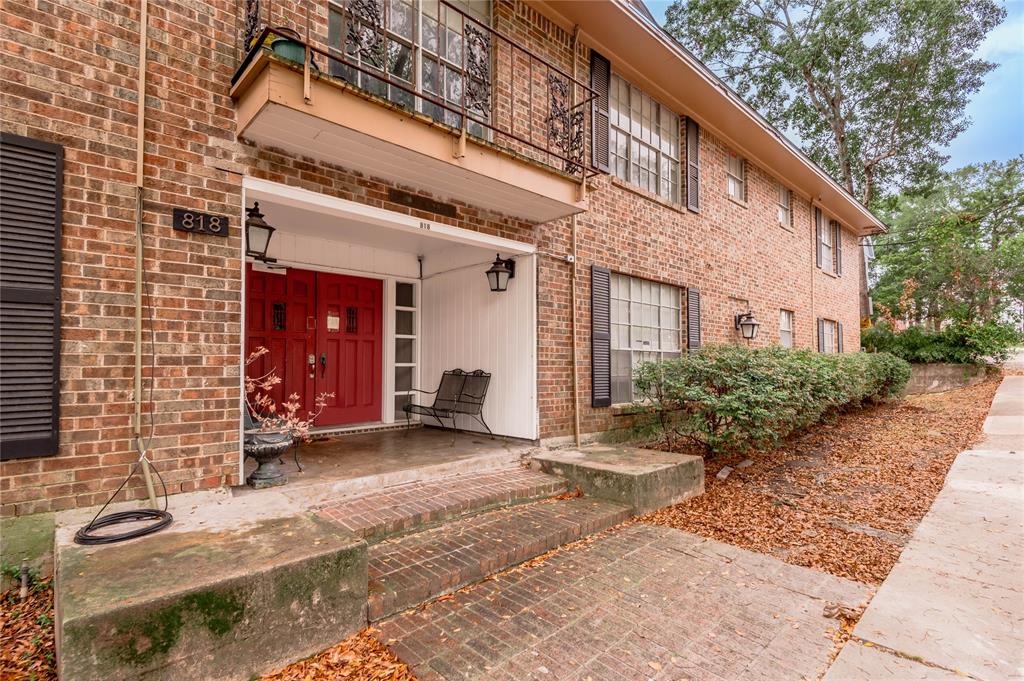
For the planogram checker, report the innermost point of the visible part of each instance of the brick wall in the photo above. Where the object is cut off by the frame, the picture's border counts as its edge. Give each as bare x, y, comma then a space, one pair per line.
68, 75
736, 255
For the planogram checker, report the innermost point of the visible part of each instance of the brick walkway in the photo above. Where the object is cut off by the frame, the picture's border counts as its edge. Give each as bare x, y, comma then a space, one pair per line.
406, 507
639, 602
418, 567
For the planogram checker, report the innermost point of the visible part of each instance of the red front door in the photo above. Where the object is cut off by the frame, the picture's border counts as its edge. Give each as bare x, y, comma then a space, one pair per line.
324, 333
349, 342
281, 317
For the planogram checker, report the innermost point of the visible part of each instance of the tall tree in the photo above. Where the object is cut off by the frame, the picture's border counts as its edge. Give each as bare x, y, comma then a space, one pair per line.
873, 88
955, 251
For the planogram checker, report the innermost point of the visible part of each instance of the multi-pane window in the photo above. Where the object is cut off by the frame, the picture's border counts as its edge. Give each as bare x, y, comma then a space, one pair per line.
736, 177
829, 342
643, 140
405, 345
786, 328
826, 248
784, 199
646, 326
421, 45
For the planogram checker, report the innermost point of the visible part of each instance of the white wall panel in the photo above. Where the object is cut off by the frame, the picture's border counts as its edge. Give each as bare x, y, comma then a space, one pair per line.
315, 252
464, 325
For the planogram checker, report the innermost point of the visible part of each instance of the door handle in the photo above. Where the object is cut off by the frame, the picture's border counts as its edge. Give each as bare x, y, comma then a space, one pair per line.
311, 360
323, 364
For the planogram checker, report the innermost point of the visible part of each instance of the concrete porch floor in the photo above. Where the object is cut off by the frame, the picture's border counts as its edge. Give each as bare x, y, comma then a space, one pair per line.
359, 462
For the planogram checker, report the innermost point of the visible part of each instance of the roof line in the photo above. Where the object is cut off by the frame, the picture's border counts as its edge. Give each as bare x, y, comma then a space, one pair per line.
648, 22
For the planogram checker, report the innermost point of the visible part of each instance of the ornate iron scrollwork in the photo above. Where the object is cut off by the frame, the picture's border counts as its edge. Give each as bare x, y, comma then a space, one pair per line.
252, 23
565, 126
365, 31
478, 71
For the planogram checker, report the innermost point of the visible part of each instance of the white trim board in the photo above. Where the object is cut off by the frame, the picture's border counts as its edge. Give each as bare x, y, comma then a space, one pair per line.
257, 189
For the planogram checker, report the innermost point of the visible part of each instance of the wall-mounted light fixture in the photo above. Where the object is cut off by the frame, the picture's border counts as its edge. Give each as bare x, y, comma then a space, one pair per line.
257, 234
499, 274
747, 325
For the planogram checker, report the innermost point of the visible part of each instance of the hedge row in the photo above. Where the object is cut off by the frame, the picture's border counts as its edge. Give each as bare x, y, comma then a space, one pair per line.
731, 398
958, 343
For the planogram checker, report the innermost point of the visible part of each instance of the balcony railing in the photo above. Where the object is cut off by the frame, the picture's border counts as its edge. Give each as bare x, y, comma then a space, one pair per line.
439, 62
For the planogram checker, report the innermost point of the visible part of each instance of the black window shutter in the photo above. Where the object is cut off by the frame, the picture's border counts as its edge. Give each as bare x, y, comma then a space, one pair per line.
839, 336
692, 165
817, 236
837, 240
31, 179
692, 319
600, 82
601, 336
821, 335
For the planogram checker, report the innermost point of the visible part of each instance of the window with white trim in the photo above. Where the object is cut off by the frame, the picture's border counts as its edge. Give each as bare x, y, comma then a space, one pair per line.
646, 326
425, 44
827, 263
786, 328
736, 177
784, 199
829, 336
405, 346
643, 140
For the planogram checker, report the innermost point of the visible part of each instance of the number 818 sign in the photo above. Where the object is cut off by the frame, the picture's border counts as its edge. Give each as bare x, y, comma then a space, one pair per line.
200, 223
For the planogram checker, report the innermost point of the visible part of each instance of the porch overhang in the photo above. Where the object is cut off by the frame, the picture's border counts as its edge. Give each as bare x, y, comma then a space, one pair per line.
341, 125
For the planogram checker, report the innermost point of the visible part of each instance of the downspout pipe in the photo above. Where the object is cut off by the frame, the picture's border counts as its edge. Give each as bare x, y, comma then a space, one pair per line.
140, 446
573, 266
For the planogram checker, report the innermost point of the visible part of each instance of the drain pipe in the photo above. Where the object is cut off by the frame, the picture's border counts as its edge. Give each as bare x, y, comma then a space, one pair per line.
139, 191
573, 266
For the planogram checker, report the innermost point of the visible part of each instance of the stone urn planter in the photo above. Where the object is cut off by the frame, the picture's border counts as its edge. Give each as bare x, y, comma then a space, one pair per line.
266, 448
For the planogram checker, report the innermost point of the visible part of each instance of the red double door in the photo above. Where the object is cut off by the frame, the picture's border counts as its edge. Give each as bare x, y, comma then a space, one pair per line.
324, 333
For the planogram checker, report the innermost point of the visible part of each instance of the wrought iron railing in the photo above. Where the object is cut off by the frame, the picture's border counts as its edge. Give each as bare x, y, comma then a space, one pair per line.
436, 60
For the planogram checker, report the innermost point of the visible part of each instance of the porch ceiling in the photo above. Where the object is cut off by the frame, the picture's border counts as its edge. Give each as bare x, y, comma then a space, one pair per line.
436, 253
341, 127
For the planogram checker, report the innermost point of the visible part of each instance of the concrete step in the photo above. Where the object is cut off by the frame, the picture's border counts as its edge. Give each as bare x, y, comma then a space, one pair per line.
230, 596
410, 570
413, 507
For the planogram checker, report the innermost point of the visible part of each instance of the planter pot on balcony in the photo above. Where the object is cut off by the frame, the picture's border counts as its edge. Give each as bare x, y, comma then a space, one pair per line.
286, 48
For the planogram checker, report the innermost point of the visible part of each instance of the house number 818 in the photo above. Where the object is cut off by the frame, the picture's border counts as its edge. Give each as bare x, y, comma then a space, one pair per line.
200, 223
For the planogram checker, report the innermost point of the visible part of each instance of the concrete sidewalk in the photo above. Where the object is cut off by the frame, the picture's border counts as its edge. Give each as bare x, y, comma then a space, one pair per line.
953, 605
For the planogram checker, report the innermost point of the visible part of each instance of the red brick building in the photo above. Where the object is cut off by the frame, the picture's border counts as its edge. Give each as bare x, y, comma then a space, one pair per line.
395, 148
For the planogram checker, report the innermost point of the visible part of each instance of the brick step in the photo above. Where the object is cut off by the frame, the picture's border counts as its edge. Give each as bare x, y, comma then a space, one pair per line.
414, 569
413, 507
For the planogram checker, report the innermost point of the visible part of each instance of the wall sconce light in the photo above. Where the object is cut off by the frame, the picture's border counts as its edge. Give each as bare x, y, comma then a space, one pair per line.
747, 325
499, 274
257, 234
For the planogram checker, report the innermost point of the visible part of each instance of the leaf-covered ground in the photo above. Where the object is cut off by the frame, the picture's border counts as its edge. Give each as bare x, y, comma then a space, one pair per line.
360, 657
26, 635
845, 497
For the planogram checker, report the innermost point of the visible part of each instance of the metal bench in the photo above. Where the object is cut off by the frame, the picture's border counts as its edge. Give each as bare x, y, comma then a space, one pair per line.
460, 392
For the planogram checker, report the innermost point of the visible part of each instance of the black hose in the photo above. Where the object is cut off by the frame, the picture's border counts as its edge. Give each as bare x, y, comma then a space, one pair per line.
85, 535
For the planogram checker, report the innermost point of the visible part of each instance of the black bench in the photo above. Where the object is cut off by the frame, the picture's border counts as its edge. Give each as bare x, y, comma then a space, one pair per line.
460, 392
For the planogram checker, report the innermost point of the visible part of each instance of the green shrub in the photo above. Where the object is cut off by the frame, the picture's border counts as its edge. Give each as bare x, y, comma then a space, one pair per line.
958, 343
731, 398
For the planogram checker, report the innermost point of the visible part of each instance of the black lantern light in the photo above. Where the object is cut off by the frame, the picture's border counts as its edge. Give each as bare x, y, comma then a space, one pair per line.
747, 325
257, 234
499, 274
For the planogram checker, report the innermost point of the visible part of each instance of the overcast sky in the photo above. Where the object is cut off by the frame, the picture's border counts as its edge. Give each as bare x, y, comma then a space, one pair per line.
997, 111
